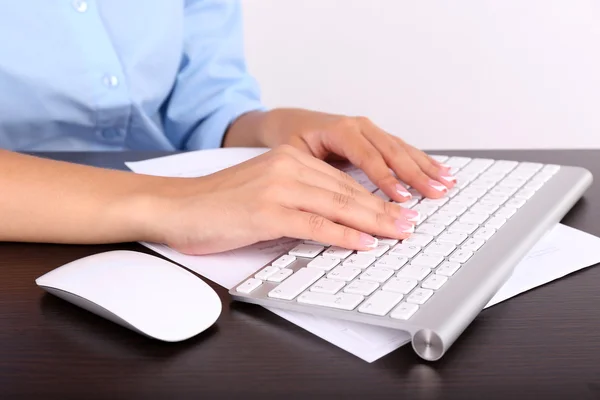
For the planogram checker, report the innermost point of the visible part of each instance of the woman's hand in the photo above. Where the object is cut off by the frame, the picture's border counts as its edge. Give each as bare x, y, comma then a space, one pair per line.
282, 193
379, 154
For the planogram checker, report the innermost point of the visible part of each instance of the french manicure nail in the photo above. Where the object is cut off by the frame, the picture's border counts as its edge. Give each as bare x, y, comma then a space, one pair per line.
437, 186
404, 227
411, 215
448, 178
368, 241
401, 190
446, 167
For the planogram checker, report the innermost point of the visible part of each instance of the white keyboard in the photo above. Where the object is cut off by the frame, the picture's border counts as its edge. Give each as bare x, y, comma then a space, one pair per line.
434, 283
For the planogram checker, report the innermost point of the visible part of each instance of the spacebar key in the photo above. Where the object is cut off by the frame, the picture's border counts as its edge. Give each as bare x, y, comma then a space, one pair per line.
296, 284
343, 301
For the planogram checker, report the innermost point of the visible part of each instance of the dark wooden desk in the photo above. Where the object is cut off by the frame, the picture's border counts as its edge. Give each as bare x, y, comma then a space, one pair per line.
542, 344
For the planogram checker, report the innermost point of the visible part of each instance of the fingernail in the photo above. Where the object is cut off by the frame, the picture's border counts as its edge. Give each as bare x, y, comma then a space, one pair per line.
446, 167
404, 227
448, 178
368, 241
437, 186
411, 215
401, 190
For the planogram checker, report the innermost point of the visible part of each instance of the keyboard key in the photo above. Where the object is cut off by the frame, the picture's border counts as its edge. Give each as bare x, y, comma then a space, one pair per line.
447, 268
494, 199
296, 284
283, 261
435, 202
464, 200
364, 288
360, 260
479, 164
400, 285
452, 192
457, 161
484, 233
483, 183
431, 229
427, 260
550, 168
441, 218
404, 311
533, 185
316, 243
408, 203
342, 301
378, 251
453, 237
485, 208
495, 222
472, 244
418, 239
265, 273
454, 209
463, 227
390, 261
324, 262
505, 212
503, 191
330, 286
344, 273
249, 286
516, 202
425, 210
475, 191
440, 248
418, 272
337, 252
525, 194
514, 183
504, 165
461, 256
380, 303
375, 274
307, 250
434, 282
419, 296
280, 275
473, 218
388, 241
530, 166
406, 250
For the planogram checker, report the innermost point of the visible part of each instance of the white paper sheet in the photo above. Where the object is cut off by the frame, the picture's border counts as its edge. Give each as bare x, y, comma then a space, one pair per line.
561, 252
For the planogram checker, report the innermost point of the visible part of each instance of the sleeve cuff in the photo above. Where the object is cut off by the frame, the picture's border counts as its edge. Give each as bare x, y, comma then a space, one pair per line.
210, 133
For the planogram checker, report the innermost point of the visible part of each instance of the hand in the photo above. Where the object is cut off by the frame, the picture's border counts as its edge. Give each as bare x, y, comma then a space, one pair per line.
282, 193
367, 146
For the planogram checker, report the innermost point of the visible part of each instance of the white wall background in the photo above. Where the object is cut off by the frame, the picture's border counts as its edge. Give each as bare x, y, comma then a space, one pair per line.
441, 74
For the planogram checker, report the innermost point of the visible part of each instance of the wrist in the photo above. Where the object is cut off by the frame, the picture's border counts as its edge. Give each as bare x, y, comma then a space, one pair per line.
145, 212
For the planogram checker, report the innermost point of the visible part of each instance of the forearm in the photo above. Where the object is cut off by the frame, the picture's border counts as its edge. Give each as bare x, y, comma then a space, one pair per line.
247, 130
50, 201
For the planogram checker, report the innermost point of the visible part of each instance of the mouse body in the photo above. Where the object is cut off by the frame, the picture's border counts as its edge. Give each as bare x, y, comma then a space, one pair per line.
139, 291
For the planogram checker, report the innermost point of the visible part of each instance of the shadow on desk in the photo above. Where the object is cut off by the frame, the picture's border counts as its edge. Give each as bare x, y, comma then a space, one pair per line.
86, 332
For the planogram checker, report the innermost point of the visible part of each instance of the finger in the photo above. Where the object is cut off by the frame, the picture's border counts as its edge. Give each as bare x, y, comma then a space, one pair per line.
319, 165
309, 226
320, 180
402, 163
360, 152
431, 167
345, 210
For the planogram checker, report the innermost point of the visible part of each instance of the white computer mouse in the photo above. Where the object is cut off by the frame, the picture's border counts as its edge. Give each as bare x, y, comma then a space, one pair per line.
139, 291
